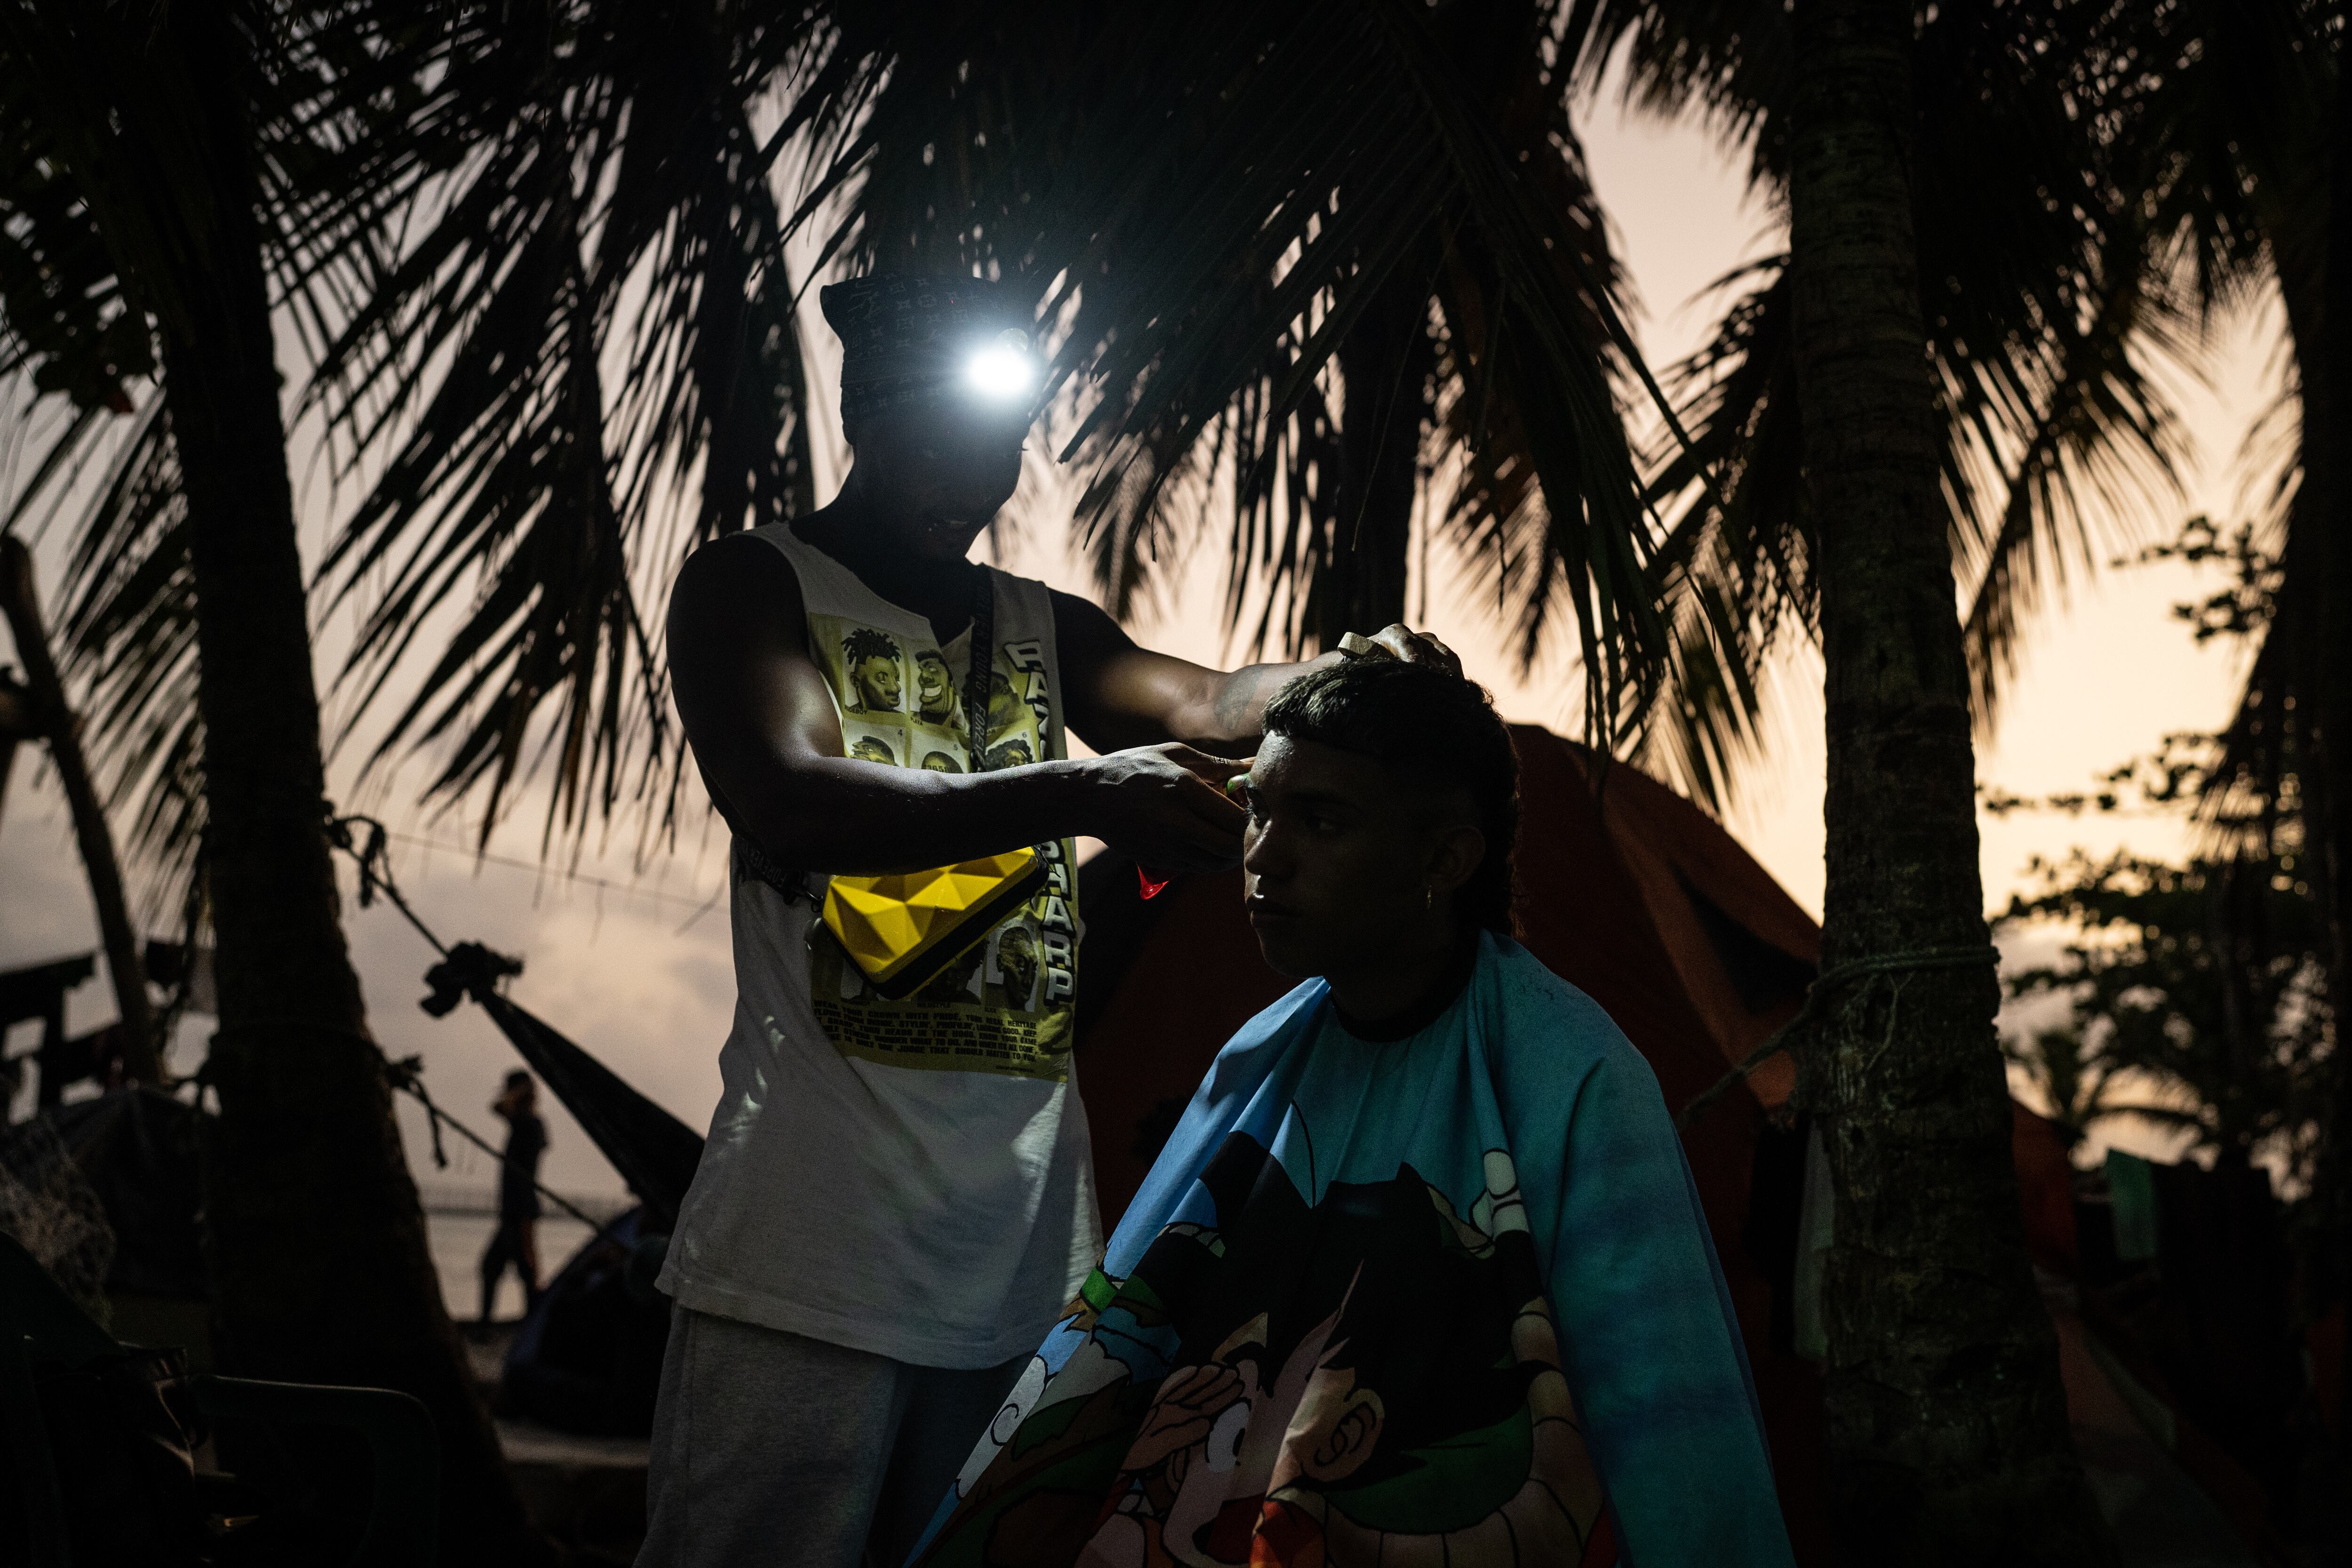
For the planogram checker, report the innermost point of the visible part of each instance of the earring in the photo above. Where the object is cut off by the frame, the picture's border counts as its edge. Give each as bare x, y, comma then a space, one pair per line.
1428, 899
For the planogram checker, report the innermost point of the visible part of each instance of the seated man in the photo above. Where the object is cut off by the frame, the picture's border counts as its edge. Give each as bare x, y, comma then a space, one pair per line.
1421, 1275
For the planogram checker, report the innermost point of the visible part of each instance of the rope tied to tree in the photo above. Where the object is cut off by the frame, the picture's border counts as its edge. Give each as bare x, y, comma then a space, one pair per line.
1824, 984
366, 841
374, 856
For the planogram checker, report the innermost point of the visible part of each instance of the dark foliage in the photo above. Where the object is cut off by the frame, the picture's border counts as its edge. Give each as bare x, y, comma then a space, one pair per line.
2196, 999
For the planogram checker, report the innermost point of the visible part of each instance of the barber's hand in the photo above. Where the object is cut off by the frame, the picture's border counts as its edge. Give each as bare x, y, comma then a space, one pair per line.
1166, 807
1402, 642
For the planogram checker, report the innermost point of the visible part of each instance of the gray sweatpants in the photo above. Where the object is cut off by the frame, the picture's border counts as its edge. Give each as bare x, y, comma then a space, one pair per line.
772, 1449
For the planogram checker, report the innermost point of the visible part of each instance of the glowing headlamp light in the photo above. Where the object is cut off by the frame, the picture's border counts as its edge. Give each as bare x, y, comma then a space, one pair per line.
1003, 370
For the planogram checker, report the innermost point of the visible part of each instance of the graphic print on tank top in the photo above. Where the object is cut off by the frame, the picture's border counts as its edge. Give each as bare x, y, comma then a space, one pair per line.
1007, 1005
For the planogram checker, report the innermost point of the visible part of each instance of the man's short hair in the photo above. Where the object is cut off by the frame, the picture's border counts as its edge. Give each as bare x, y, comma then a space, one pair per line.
1426, 722
521, 1080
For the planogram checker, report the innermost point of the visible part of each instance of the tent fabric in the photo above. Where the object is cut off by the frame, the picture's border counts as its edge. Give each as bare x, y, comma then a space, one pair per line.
1741, 949
587, 1358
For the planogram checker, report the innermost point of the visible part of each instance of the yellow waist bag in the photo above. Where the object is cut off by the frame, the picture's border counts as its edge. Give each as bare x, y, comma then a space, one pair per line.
901, 929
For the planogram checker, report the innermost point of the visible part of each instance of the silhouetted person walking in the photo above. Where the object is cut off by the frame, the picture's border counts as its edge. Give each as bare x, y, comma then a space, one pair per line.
516, 1241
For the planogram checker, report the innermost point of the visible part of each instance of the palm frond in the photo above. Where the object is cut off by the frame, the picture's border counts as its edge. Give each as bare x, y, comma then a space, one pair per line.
619, 201
1219, 203
2255, 783
77, 352
126, 630
2044, 289
66, 319
2237, 111
2099, 425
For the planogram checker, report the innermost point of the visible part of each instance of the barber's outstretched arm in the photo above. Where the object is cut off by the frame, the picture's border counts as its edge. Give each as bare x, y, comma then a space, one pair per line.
763, 729
1116, 693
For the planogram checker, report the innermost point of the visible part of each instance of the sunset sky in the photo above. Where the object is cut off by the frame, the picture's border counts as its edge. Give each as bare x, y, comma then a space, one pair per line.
636, 968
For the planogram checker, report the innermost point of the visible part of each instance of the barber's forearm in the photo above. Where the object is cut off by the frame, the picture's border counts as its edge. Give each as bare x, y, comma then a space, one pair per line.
837, 814
1230, 714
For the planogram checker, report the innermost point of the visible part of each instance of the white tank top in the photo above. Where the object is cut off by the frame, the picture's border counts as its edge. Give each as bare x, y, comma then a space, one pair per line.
911, 1178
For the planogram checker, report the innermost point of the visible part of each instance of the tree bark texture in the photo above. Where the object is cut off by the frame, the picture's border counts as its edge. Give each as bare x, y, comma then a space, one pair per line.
2304, 217
2327, 793
314, 1233
1363, 566
17, 725
1947, 1425
125, 968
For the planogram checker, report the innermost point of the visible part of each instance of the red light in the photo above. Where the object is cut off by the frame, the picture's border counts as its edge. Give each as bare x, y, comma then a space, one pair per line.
1151, 889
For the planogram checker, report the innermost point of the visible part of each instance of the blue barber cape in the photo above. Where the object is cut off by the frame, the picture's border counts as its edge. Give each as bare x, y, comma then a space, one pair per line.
1446, 1299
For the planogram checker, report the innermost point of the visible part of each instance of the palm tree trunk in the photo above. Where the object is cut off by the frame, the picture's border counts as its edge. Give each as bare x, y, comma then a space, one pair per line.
1947, 1421
313, 1229
2327, 792
17, 725
2306, 225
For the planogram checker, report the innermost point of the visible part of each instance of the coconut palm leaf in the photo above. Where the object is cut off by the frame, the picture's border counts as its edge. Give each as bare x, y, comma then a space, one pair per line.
1208, 204
128, 621
461, 229
2234, 118
65, 318
618, 201
93, 448
2042, 288
109, 471
479, 221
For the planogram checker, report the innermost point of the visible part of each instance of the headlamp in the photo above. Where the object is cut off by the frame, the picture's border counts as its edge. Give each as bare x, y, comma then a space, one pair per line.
1002, 369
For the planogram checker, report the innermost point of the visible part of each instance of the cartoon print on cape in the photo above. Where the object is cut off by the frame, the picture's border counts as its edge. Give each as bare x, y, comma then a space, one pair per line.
1373, 1380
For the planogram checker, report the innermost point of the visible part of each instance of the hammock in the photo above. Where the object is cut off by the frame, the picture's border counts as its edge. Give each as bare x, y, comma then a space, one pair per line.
654, 1150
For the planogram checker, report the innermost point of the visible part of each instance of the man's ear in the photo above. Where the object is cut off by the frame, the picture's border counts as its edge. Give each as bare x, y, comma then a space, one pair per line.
1460, 848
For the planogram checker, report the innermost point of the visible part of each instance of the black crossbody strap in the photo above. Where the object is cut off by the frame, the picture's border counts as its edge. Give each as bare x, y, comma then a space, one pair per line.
982, 666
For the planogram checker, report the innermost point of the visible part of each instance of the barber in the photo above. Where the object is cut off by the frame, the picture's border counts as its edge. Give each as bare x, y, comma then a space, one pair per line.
897, 1195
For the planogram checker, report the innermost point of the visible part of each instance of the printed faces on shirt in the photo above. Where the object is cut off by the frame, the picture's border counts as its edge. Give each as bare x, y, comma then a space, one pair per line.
902, 703
899, 702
